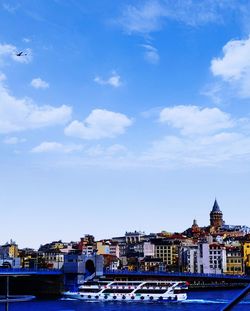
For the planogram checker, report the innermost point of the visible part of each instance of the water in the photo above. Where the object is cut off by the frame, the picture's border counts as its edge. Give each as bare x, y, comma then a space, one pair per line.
198, 301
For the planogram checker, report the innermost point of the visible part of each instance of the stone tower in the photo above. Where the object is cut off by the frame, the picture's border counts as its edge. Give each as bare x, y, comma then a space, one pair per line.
216, 216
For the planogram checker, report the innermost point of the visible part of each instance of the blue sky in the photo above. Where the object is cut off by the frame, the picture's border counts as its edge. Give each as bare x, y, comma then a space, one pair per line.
123, 115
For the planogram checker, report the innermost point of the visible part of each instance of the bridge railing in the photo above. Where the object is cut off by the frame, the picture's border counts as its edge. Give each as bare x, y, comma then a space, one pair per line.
29, 271
177, 274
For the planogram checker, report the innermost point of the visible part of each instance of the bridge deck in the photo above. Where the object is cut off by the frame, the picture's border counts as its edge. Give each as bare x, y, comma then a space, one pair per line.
221, 277
26, 272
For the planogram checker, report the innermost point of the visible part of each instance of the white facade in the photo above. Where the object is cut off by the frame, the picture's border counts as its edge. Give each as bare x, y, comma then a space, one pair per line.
211, 258
148, 249
114, 249
55, 260
134, 237
217, 259
88, 250
203, 258
188, 258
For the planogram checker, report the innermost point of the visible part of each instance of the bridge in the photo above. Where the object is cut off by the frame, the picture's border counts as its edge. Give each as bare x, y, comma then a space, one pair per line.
228, 278
134, 274
35, 282
29, 272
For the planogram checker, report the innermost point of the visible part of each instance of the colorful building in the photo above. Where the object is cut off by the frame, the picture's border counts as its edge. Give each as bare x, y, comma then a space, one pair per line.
235, 264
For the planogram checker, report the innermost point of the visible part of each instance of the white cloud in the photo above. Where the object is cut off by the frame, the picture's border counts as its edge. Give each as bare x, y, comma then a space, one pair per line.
26, 40
235, 61
114, 80
113, 150
203, 137
9, 50
214, 90
149, 16
194, 120
13, 140
178, 151
151, 53
2, 77
99, 124
142, 18
46, 147
22, 114
9, 8
116, 149
38, 83
234, 66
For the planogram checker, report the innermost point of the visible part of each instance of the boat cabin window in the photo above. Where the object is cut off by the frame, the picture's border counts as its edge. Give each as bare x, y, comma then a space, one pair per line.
150, 291
89, 290
126, 284
117, 291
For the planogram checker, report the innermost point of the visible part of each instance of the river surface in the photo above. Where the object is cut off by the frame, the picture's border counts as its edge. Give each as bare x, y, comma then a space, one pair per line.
198, 301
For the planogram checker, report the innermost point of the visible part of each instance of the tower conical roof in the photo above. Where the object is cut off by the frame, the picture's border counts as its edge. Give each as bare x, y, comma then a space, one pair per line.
216, 207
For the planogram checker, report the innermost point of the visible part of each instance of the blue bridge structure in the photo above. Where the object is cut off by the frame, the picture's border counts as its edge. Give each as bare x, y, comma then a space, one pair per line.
29, 272
134, 274
227, 278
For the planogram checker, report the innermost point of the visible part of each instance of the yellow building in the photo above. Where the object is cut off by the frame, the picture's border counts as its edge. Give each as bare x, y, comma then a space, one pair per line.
10, 250
234, 259
103, 247
246, 254
13, 250
167, 251
57, 245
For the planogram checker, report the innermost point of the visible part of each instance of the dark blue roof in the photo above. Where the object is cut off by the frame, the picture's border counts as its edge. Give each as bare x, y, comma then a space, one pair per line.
216, 207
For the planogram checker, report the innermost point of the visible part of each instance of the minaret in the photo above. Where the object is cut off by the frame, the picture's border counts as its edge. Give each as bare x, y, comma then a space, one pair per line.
195, 229
195, 225
216, 216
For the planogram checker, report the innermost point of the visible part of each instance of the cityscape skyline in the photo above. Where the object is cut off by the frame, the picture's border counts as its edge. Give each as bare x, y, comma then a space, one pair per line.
217, 248
216, 221
122, 116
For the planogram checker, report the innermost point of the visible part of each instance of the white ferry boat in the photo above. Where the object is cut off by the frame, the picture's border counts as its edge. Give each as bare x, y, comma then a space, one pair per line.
131, 291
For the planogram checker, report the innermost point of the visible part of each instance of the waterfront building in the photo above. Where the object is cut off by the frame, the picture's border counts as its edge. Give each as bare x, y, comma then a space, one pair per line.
114, 249
87, 244
150, 263
188, 258
9, 250
134, 237
111, 262
234, 260
69, 247
246, 255
9, 255
31, 259
168, 251
217, 258
54, 258
57, 244
211, 257
53, 245
133, 264
122, 249
103, 247
120, 239
135, 250
148, 249
236, 231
